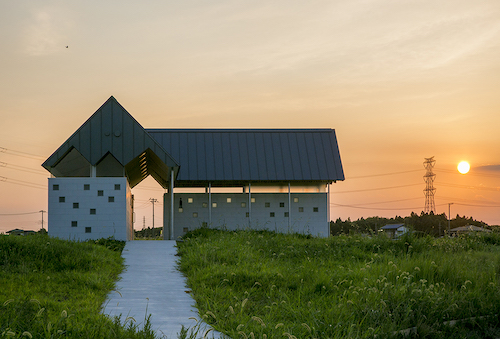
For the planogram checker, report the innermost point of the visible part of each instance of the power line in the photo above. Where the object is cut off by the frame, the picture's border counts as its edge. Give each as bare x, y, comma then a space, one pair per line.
384, 202
377, 189
22, 168
484, 188
7, 214
381, 209
22, 183
381, 175
20, 154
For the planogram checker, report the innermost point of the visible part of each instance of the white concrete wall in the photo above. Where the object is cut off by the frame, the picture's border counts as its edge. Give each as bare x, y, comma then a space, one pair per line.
233, 216
111, 219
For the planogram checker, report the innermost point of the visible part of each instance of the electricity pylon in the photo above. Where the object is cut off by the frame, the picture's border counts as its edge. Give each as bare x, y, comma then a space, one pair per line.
429, 190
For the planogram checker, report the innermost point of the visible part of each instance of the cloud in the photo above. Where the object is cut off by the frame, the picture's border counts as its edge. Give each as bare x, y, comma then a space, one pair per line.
47, 32
488, 168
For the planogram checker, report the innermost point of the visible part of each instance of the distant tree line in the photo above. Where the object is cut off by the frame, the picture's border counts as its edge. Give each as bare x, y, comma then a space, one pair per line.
428, 223
148, 233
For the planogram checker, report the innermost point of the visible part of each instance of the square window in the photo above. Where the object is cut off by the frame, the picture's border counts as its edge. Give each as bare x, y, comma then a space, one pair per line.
181, 210
117, 187
315, 209
88, 229
282, 204
301, 209
86, 187
243, 204
295, 199
74, 223
92, 211
185, 229
267, 204
204, 224
76, 205
190, 200
228, 200
252, 199
100, 193
271, 214
111, 199
195, 214
204, 205
62, 199
55, 187
247, 215
286, 214
214, 205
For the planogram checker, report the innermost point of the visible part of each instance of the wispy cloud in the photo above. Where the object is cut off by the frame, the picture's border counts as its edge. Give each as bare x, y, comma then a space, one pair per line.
46, 32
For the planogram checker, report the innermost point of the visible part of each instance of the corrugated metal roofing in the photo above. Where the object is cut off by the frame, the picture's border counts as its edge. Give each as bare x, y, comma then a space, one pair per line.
111, 129
252, 155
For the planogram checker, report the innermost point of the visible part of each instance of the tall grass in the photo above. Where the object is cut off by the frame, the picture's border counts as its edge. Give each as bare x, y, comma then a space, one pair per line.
50, 288
266, 285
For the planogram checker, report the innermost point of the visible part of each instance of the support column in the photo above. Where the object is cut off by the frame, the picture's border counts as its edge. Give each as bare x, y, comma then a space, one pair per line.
328, 208
289, 207
209, 204
93, 171
249, 204
172, 205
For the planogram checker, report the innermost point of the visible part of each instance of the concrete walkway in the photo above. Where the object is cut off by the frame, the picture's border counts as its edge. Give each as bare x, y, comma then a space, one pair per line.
152, 285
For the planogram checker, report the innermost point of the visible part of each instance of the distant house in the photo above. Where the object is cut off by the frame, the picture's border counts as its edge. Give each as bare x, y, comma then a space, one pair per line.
394, 231
468, 229
18, 231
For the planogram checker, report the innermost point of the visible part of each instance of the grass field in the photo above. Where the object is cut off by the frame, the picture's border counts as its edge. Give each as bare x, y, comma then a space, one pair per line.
251, 284
51, 288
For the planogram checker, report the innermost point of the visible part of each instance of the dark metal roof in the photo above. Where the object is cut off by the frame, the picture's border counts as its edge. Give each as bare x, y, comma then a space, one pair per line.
392, 226
252, 155
112, 130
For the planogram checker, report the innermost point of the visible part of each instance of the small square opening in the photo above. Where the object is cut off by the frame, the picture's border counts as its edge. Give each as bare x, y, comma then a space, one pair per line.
74, 223
62, 199
252, 199
204, 205
267, 204
100, 193
286, 214
243, 204
301, 209
86, 187
55, 187
228, 200
111, 199
76, 205
117, 187
282, 204
214, 205
271, 214
88, 229
315, 209
195, 214
295, 199
92, 211
190, 200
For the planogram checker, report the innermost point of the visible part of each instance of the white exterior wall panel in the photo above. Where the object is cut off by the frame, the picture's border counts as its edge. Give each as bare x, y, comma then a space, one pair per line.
111, 219
308, 214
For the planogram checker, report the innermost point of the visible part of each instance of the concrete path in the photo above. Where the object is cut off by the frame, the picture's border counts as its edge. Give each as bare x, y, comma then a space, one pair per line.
152, 285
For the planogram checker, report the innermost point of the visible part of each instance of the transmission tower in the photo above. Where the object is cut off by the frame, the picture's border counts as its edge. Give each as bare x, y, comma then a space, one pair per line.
429, 190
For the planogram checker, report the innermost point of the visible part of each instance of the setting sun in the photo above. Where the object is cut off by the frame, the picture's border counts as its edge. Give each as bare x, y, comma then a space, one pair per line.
463, 167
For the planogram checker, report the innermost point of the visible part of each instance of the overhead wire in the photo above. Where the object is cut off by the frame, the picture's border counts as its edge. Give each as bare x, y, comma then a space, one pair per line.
20, 154
7, 214
376, 189
22, 168
383, 174
22, 183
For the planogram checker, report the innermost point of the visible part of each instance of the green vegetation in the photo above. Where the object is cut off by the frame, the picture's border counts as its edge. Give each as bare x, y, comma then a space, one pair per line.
258, 284
51, 288
427, 223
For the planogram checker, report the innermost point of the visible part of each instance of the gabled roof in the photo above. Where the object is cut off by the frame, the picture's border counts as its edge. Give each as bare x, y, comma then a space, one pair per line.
469, 228
392, 226
112, 130
252, 155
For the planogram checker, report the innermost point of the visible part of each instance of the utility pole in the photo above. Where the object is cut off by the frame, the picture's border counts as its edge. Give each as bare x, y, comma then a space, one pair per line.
42, 211
153, 200
449, 216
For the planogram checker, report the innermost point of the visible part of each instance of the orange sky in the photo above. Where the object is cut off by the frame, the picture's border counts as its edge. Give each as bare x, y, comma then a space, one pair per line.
398, 80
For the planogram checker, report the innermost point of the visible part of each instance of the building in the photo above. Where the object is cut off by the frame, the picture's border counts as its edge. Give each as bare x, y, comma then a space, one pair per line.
467, 229
275, 179
394, 231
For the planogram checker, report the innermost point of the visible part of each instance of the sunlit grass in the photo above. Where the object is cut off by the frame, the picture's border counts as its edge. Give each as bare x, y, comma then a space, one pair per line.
50, 288
267, 285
